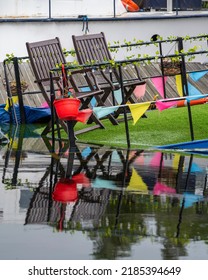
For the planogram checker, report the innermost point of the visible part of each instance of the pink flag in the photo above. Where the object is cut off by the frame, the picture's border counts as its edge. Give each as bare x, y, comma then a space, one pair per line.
84, 115
156, 160
162, 188
140, 91
158, 83
165, 105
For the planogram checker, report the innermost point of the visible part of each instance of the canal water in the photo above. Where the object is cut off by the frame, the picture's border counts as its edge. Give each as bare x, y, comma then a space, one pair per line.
94, 203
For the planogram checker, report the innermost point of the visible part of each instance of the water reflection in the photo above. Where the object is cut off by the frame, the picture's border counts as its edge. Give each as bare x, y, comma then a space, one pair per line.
112, 203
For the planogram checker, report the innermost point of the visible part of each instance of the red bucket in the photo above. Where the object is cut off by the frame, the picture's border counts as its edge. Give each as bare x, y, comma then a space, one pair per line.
65, 191
67, 108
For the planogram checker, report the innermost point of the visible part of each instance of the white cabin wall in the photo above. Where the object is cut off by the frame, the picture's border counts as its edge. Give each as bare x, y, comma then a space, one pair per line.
14, 35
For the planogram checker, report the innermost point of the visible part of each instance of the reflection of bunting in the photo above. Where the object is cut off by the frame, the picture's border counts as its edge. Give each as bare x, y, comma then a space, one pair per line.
140, 91
165, 105
104, 184
179, 85
137, 110
162, 189
156, 160
13, 102
158, 83
189, 199
115, 157
176, 160
136, 183
195, 76
86, 152
195, 168
101, 112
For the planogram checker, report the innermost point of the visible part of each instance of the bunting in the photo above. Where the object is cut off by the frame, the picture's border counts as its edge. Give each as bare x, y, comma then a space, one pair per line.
193, 90
101, 111
165, 105
158, 83
140, 90
137, 110
179, 85
195, 76
83, 115
118, 96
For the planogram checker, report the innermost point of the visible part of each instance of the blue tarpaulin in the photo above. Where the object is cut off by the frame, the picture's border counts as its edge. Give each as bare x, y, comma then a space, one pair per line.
190, 145
32, 115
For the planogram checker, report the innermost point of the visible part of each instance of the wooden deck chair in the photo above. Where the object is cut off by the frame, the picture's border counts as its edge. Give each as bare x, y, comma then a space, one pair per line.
46, 55
93, 48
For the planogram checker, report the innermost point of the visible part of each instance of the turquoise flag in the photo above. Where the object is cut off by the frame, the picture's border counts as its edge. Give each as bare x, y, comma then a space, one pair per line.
101, 111
195, 76
86, 152
189, 98
118, 96
193, 90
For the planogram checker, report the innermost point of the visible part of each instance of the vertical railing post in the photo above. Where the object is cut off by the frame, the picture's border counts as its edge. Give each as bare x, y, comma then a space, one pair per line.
19, 90
114, 8
49, 9
169, 5
124, 108
185, 85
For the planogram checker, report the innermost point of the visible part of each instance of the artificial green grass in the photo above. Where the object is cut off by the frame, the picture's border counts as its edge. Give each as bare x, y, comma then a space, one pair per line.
159, 128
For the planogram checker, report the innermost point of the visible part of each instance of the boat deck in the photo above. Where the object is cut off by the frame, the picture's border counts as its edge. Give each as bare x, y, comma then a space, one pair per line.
147, 72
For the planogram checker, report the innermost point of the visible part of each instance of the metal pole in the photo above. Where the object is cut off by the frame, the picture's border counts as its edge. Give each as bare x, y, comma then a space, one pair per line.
185, 86
169, 5
19, 90
177, 7
124, 108
49, 9
52, 98
114, 8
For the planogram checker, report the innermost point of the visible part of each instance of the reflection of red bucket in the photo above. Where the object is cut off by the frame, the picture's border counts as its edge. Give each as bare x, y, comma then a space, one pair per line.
81, 179
65, 191
67, 108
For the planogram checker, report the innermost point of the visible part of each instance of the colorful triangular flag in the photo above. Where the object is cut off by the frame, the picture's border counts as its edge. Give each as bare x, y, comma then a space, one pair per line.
165, 105
101, 111
136, 183
137, 110
139, 91
195, 76
158, 83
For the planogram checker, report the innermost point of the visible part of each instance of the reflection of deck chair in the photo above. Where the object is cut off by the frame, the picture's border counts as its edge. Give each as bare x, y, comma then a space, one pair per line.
93, 48
47, 55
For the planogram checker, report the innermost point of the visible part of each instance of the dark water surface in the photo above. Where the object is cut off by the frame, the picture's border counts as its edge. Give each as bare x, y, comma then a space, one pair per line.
99, 203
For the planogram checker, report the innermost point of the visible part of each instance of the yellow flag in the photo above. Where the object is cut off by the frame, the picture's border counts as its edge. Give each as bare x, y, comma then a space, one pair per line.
136, 183
176, 160
137, 110
179, 85
13, 101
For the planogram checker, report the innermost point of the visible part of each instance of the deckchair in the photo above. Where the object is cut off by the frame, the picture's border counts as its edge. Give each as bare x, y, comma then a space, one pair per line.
93, 48
47, 55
